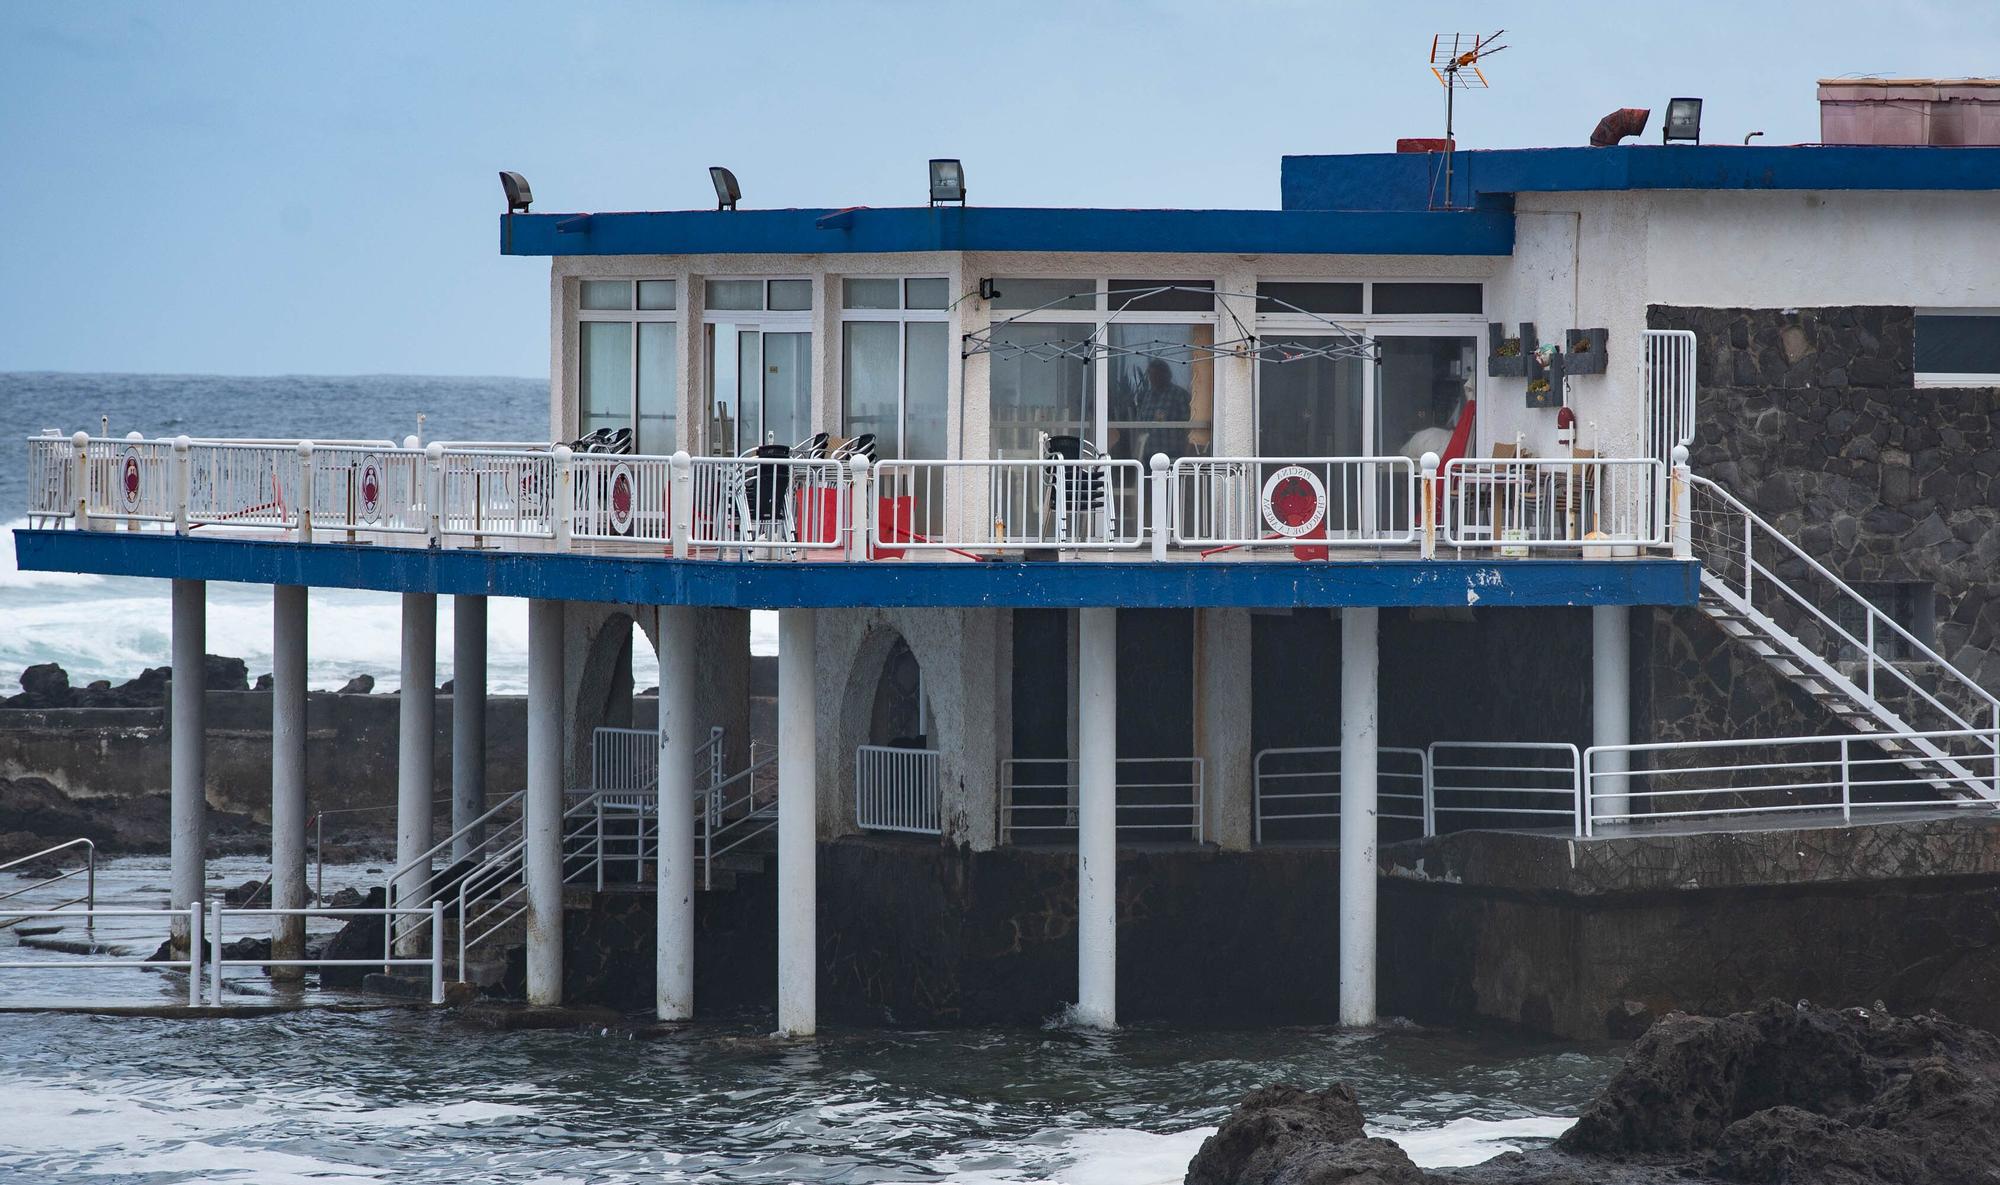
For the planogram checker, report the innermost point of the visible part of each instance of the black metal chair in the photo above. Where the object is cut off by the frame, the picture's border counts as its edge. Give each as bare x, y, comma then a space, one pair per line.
1077, 494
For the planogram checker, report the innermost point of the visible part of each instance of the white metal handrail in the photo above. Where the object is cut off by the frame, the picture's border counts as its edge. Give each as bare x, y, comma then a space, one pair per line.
1727, 538
748, 505
191, 964
427, 887
245, 485
1775, 776
130, 480
88, 871
499, 492
433, 913
51, 466
743, 807
364, 488
1301, 785
1096, 504
1155, 795
1293, 501
1523, 783
1537, 503
897, 789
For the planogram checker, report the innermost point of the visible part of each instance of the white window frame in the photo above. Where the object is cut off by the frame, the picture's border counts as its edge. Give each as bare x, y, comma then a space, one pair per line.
900, 317
1939, 378
1101, 314
764, 320
631, 315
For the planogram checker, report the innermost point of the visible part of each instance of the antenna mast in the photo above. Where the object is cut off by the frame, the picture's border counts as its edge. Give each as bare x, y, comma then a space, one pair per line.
1455, 63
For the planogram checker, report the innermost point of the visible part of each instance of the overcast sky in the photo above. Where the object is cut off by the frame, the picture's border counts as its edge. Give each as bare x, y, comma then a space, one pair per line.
266, 188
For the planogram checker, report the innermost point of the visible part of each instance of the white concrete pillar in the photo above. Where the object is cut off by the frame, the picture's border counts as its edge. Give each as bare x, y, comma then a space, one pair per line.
187, 797
1610, 707
288, 774
798, 828
1359, 736
468, 721
680, 736
1097, 818
542, 810
414, 754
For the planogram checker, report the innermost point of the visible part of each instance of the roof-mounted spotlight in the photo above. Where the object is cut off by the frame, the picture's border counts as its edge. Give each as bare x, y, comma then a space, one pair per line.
727, 192
947, 182
519, 196
1683, 121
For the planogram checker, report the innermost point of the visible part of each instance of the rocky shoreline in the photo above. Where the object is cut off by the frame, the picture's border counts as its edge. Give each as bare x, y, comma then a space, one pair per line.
1782, 1094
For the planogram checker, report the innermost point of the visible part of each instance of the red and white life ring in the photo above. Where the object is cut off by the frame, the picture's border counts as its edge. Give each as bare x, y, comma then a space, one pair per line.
371, 487
623, 497
1293, 501
130, 484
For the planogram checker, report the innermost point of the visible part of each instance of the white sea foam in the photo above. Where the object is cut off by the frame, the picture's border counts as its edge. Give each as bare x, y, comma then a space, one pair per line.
113, 627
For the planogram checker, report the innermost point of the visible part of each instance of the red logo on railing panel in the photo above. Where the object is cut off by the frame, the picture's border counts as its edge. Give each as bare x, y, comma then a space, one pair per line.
371, 488
622, 498
128, 480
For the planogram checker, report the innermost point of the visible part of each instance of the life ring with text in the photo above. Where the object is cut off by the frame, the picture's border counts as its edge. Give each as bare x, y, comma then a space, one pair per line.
1293, 501
623, 498
371, 488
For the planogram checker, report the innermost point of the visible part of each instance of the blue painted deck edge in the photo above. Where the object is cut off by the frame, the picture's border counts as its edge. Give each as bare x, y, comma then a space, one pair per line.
629, 580
979, 228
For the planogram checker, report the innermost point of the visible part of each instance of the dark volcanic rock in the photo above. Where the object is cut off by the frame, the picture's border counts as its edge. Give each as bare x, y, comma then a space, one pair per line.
249, 893
225, 674
44, 685
359, 685
1283, 1135
1782, 1095
361, 938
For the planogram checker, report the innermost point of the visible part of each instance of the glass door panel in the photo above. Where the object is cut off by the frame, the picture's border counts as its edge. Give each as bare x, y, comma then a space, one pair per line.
787, 387
1314, 407
1422, 387
605, 368
659, 388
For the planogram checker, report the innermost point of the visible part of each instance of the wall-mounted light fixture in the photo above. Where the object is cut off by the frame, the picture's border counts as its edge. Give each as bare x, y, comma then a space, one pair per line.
947, 182
727, 192
519, 196
1683, 121
987, 290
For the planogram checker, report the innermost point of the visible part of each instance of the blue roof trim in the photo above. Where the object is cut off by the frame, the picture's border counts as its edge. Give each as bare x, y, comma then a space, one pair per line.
1386, 181
779, 585
1371, 231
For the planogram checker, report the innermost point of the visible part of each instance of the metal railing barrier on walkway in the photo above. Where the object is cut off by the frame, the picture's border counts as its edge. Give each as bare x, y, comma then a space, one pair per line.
896, 789
88, 871
1775, 777
1231, 502
191, 965
1159, 800
1298, 793
1505, 784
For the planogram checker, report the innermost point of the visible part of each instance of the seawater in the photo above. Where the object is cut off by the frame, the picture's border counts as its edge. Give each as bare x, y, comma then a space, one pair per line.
406, 1095
114, 627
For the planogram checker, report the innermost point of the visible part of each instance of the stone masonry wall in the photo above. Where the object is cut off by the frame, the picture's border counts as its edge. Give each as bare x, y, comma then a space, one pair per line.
1812, 417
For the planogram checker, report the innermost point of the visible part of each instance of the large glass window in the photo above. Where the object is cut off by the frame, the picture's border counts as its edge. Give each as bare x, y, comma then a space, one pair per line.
1422, 385
1958, 348
1042, 381
895, 364
1162, 390
628, 347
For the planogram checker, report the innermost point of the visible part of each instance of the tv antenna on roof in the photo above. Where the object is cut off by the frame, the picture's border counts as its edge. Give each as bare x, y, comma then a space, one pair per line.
1455, 62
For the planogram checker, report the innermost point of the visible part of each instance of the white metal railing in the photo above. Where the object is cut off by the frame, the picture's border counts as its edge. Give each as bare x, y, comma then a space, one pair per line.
1667, 362
1778, 776
1762, 576
1286, 502
244, 485
533, 497
51, 466
432, 914
972, 505
625, 760
1504, 784
191, 916
1599, 505
1298, 791
1159, 798
896, 790
88, 870
499, 493
497, 830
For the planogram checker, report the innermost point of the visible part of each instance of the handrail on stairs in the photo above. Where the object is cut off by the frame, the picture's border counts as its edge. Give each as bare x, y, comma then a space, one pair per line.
1718, 559
89, 871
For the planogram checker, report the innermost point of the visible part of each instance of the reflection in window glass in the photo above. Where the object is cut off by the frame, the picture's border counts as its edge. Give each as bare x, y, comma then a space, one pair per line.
787, 387
735, 295
868, 364
659, 388
791, 295
926, 378
1077, 295
1296, 297
605, 371
658, 295
1958, 343
1428, 298
870, 293
605, 294
1421, 386
1310, 407
1163, 398
1031, 395
1162, 296
932, 293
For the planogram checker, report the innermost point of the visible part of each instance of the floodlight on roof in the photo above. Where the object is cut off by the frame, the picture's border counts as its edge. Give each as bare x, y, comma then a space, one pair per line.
1683, 121
519, 196
947, 181
727, 192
